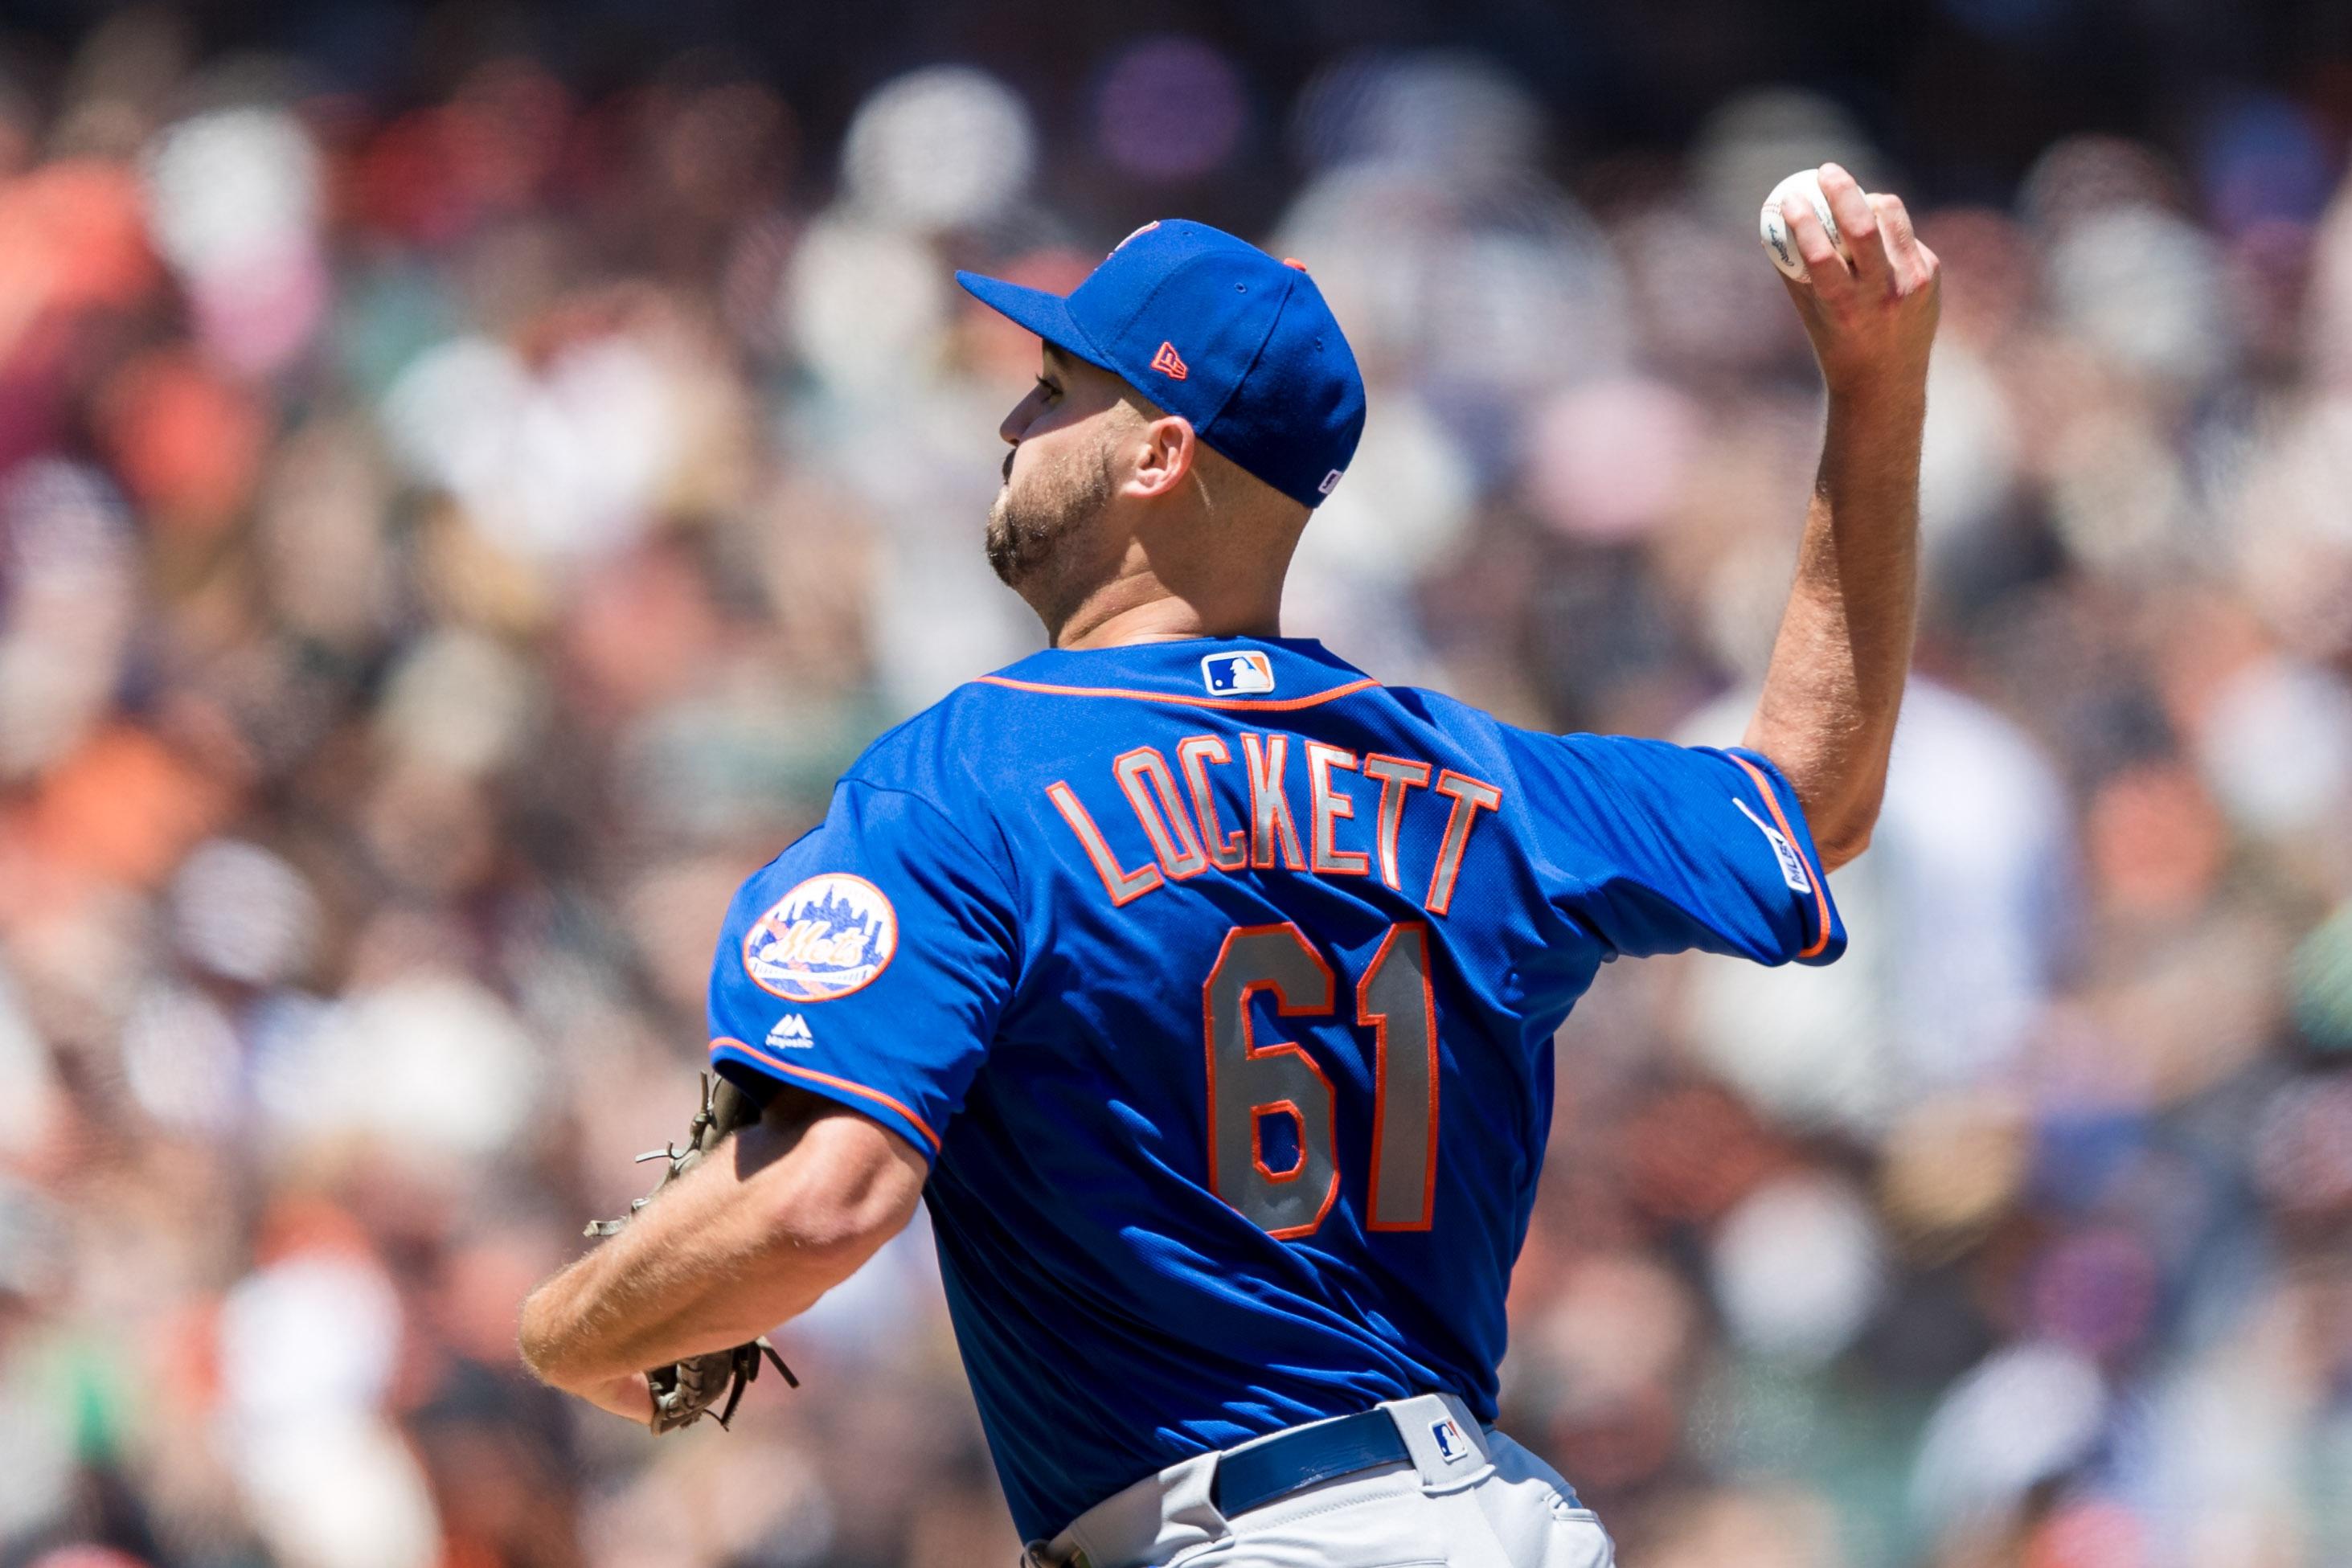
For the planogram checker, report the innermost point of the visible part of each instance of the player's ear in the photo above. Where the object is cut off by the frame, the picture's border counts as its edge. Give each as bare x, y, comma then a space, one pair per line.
1167, 448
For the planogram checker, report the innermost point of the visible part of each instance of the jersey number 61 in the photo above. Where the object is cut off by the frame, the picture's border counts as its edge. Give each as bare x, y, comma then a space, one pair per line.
1249, 1080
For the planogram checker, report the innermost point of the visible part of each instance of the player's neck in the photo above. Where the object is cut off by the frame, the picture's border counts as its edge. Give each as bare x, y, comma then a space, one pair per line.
1127, 612
1164, 582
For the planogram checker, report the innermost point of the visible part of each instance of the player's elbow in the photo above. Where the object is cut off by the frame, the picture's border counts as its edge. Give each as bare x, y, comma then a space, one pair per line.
1842, 830
542, 1337
531, 1341
1845, 847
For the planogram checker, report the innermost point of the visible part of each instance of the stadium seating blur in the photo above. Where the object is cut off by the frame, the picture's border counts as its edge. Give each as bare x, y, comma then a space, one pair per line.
470, 478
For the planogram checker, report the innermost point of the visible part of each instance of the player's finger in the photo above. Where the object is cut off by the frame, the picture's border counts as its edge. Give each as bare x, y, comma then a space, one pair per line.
1825, 269
1903, 246
1893, 221
1857, 222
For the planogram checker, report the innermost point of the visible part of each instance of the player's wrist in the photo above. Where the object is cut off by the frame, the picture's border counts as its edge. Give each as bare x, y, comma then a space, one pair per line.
1889, 387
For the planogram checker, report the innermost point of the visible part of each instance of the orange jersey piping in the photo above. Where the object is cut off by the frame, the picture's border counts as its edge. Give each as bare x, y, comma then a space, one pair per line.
1820, 885
1230, 705
814, 1076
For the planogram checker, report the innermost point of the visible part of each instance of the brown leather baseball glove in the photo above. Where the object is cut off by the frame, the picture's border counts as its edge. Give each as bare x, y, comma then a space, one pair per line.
685, 1391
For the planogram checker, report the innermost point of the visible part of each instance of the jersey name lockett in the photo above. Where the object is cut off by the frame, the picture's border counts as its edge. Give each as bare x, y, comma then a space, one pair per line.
1176, 803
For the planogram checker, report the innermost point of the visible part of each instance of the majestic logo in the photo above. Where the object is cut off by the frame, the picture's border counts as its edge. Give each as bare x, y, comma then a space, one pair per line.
1170, 363
1451, 1446
827, 937
1330, 483
1235, 674
1793, 864
791, 1033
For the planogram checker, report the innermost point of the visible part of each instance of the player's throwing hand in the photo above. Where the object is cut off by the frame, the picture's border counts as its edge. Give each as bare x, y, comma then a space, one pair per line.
1874, 318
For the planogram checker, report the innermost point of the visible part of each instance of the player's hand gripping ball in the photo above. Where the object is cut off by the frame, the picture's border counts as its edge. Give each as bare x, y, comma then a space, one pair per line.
1804, 186
1865, 286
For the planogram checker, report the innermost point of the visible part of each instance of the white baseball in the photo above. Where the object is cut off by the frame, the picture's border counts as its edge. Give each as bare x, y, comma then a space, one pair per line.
1805, 183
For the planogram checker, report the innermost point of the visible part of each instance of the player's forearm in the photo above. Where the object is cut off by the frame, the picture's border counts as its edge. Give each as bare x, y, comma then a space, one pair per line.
747, 1240
1827, 715
684, 1279
1835, 683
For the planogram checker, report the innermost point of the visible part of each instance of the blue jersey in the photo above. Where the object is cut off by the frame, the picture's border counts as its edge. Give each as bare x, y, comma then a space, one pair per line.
1218, 983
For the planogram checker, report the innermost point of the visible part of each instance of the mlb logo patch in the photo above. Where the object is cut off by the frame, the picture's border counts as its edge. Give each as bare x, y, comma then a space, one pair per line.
1237, 675
1452, 1447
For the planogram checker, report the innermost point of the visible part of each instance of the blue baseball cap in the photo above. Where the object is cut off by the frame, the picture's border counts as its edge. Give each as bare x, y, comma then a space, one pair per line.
1212, 327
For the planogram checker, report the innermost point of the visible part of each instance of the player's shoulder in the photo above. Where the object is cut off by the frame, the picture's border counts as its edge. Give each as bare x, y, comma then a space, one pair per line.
1441, 709
1002, 728
1472, 729
934, 754
965, 749
1460, 715
912, 792
1542, 754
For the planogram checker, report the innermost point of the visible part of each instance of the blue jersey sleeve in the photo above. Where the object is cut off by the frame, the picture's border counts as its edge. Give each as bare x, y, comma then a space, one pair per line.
868, 963
1663, 848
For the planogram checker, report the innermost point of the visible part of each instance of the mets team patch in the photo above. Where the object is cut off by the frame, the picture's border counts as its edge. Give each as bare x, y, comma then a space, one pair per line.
830, 936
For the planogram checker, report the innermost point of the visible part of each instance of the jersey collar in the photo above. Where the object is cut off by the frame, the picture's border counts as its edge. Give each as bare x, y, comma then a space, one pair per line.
1198, 671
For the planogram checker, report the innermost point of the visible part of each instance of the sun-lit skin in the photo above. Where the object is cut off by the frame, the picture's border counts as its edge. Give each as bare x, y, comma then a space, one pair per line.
1835, 686
1118, 524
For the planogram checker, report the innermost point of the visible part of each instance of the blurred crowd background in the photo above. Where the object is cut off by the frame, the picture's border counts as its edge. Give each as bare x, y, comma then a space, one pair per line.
471, 477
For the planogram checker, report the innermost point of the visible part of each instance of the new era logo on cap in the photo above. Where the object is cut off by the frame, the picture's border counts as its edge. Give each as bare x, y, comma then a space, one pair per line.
1168, 362
1235, 674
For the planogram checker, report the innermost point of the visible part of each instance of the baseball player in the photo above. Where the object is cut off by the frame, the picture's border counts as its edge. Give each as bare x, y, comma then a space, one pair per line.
1204, 987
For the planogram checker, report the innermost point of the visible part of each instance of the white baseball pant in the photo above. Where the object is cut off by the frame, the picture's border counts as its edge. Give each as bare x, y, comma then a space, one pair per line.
1502, 1507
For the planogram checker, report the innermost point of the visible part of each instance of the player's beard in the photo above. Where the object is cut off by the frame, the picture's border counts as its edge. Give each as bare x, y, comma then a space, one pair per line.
1030, 526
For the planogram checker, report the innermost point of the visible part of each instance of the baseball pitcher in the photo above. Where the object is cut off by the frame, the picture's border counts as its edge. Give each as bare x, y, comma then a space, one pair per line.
1204, 987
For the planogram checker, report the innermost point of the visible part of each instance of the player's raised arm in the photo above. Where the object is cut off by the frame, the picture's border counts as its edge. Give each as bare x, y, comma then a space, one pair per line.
1835, 681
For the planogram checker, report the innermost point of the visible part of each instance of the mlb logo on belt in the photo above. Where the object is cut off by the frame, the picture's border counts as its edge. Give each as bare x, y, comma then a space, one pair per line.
1235, 674
1452, 1447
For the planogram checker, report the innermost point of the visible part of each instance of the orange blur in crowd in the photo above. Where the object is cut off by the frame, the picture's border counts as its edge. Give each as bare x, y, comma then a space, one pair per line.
451, 530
